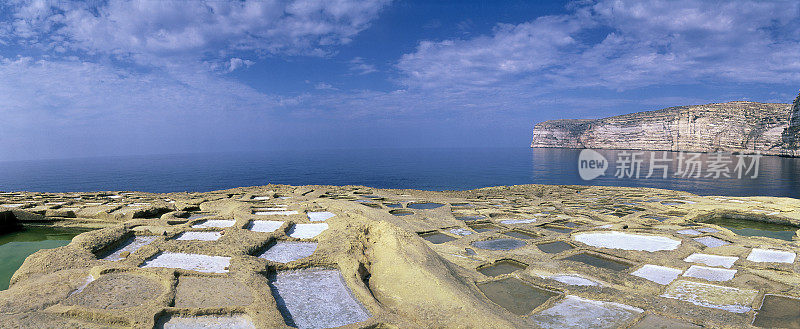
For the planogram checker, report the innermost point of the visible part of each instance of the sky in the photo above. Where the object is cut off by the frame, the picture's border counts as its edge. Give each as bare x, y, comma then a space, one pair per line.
97, 78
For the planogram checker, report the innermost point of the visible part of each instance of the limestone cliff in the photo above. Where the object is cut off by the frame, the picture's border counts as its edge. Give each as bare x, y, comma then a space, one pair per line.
791, 136
745, 127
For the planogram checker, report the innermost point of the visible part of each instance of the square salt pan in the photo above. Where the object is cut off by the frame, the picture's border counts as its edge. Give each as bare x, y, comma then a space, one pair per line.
215, 223
201, 236
709, 273
191, 262
771, 256
319, 216
711, 260
265, 226
307, 231
711, 242
658, 274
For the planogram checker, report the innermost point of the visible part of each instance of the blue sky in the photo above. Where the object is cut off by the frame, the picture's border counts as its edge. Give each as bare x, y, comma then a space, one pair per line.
114, 77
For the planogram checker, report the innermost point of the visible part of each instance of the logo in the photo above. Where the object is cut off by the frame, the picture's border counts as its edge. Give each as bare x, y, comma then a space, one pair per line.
591, 164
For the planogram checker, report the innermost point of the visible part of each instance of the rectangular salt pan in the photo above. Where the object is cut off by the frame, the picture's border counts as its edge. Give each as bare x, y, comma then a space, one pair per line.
711, 242
658, 274
192, 262
711, 296
709, 273
200, 236
289, 251
315, 298
771, 256
577, 312
518, 221
574, 280
307, 231
319, 216
688, 231
265, 226
711, 260
282, 213
130, 245
215, 223
205, 321
627, 241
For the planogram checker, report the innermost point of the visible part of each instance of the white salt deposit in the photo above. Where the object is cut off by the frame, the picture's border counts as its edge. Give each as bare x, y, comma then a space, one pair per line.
265, 226
577, 312
518, 221
711, 260
316, 298
709, 273
771, 256
130, 245
289, 251
711, 242
259, 198
13, 205
215, 223
627, 241
282, 213
689, 231
307, 231
192, 262
708, 230
712, 296
461, 231
319, 216
658, 274
574, 280
200, 236
205, 322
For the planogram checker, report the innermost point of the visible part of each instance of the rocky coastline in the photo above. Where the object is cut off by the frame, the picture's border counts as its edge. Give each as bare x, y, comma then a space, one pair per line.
267, 257
739, 127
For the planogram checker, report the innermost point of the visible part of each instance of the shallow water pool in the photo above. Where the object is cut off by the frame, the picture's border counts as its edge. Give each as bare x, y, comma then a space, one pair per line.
15, 247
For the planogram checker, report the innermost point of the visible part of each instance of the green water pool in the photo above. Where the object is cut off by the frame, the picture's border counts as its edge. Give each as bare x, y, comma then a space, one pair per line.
15, 247
755, 228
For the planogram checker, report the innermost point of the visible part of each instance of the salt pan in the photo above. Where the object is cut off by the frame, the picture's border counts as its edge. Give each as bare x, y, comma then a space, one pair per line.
307, 231
771, 256
627, 241
658, 274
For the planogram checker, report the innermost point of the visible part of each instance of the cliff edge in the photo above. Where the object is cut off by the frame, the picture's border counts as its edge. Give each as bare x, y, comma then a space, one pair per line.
743, 127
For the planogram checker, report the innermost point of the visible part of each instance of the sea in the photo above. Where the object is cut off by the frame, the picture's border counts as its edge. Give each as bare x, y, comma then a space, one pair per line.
413, 168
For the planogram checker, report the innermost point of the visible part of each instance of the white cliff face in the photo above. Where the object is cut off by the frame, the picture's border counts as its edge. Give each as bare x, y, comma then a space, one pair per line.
745, 127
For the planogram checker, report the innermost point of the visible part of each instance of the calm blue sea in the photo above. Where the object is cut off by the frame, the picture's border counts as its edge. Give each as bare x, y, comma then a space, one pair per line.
424, 168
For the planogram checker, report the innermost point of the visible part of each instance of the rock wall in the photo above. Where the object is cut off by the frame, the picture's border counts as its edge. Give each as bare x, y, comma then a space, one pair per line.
745, 127
791, 136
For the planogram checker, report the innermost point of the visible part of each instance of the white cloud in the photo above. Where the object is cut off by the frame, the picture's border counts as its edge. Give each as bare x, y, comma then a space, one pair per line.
149, 31
236, 63
360, 67
620, 45
324, 86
